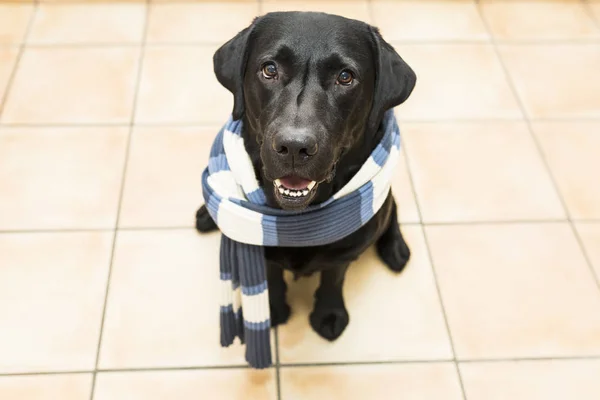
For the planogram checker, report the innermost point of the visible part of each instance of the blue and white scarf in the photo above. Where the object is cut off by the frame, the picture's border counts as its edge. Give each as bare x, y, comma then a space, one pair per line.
237, 204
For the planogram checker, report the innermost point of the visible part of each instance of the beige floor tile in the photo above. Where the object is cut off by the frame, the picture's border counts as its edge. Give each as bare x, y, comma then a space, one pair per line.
538, 19
52, 288
486, 171
392, 317
46, 387
595, 7
212, 22
60, 178
207, 384
463, 81
381, 382
428, 20
163, 305
532, 380
179, 85
88, 23
354, 9
14, 19
403, 193
556, 81
590, 235
163, 185
572, 151
8, 56
516, 290
73, 85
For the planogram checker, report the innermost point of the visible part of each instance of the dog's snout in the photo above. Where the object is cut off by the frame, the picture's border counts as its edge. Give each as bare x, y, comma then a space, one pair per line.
295, 144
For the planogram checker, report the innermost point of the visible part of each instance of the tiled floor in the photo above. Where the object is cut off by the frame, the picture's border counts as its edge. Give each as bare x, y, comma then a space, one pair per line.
107, 111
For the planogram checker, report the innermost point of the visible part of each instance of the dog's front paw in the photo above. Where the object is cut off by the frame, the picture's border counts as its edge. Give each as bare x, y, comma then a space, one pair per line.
280, 314
395, 254
329, 323
204, 222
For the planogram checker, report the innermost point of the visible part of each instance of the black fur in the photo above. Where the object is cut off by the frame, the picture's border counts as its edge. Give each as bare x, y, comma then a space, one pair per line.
310, 50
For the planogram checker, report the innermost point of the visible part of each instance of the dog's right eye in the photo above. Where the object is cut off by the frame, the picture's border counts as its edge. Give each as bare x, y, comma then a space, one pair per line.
269, 71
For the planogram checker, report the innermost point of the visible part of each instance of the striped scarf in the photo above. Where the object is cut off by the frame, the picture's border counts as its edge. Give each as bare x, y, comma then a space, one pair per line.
237, 204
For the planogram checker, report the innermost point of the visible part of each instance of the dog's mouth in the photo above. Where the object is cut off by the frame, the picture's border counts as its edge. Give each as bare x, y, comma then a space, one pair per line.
294, 192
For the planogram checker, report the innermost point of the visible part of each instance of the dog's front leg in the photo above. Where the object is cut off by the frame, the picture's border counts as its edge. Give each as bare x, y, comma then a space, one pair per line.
391, 246
330, 317
280, 310
204, 222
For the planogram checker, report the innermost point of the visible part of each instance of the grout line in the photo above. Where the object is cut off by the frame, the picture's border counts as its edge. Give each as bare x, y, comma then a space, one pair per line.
542, 155
189, 368
364, 363
58, 230
586, 221
435, 277
120, 201
303, 365
493, 222
425, 42
82, 230
117, 370
498, 120
486, 41
402, 223
95, 45
588, 10
65, 125
214, 125
520, 359
20, 51
438, 361
277, 365
46, 373
191, 227
192, 124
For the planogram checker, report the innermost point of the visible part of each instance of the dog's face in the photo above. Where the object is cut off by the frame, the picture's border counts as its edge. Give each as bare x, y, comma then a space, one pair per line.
309, 87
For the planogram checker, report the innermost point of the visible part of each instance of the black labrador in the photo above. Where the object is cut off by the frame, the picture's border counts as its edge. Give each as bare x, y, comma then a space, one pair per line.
312, 89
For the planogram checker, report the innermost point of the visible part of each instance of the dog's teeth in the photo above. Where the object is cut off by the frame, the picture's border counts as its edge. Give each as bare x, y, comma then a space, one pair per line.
277, 182
287, 191
295, 194
305, 192
311, 185
281, 190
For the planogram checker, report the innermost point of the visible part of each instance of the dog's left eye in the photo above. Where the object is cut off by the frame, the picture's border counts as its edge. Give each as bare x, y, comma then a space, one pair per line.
269, 71
345, 78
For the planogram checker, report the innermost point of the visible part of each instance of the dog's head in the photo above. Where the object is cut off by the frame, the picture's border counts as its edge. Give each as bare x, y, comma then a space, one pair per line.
310, 87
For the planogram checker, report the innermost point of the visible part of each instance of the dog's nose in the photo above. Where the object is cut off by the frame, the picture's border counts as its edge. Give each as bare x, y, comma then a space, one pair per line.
296, 144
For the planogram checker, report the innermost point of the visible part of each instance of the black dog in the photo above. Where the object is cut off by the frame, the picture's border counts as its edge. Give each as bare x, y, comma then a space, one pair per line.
312, 89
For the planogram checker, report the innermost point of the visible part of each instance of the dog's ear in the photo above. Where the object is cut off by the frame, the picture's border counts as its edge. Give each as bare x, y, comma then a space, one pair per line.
229, 63
394, 79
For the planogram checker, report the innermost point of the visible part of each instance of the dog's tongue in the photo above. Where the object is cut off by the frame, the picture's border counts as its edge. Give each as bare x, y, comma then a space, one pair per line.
295, 182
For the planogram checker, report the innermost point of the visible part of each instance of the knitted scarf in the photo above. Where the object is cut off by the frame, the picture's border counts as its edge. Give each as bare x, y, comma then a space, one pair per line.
236, 202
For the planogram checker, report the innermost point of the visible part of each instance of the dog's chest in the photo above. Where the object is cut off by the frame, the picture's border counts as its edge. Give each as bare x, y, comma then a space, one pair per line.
300, 261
